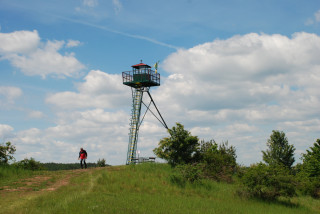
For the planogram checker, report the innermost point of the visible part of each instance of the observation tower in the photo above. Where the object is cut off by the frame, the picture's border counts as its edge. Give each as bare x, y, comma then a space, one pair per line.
140, 79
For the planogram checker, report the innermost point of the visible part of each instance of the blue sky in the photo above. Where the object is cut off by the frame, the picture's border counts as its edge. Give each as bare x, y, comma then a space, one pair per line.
231, 70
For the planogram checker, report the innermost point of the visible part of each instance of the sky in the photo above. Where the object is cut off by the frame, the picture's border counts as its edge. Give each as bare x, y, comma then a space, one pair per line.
231, 70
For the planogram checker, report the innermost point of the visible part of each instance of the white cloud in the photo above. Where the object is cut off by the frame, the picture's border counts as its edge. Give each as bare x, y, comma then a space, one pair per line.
310, 125
117, 6
73, 43
244, 70
19, 42
254, 82
103, 134
5, 132
89, 8
48, 61
314, 20
317, 16
25, 51
90, 3
8, 94
36, 114
100, 90
309, 22
31, 136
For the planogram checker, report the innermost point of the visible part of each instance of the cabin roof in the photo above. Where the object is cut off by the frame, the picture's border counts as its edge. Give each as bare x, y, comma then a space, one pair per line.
141, 65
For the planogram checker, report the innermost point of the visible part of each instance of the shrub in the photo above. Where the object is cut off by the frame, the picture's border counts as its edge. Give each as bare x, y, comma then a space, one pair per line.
309, 185
268, 182
219, 161
101, 163
30, 164
192, 173
312, 187
306, 184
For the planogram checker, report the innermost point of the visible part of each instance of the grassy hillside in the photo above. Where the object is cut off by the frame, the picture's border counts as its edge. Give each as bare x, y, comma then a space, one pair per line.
145, 188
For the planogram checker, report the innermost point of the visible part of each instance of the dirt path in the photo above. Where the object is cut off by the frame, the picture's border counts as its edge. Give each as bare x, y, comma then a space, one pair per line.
63, 181
42, 183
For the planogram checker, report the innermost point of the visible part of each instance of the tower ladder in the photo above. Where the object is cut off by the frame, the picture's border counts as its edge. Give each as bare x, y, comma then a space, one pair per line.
137, 94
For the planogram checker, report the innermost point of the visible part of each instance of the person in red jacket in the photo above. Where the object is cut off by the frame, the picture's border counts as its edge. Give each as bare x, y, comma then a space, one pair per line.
83, 156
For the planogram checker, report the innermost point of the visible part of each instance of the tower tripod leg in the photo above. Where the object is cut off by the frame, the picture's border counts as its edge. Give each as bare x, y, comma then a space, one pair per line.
163, 122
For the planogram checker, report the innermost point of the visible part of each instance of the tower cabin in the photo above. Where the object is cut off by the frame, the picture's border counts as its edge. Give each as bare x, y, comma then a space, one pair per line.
141, 76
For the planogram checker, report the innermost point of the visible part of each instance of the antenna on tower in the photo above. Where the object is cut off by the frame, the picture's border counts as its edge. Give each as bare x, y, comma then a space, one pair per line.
140, 79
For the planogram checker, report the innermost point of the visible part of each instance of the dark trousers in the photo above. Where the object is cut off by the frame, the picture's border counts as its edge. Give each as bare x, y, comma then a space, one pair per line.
85, 164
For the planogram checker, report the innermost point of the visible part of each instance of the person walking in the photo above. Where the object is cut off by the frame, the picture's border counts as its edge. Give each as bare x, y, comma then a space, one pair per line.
83, 156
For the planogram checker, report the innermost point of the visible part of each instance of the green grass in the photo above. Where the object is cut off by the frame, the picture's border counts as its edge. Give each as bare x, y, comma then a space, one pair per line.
147, 188
9, 174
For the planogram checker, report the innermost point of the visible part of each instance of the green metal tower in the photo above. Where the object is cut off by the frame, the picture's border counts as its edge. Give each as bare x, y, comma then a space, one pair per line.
140, 79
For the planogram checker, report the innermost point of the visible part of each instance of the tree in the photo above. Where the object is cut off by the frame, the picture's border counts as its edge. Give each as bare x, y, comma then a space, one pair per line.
179, 148
6, 152
279, 151
311, 160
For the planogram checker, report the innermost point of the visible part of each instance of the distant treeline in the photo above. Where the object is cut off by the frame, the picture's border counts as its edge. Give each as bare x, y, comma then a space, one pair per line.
65, 166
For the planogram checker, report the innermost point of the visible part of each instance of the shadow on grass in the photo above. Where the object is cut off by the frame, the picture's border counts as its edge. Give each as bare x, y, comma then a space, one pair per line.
181, 182
178, 180
280, 201
283, 201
